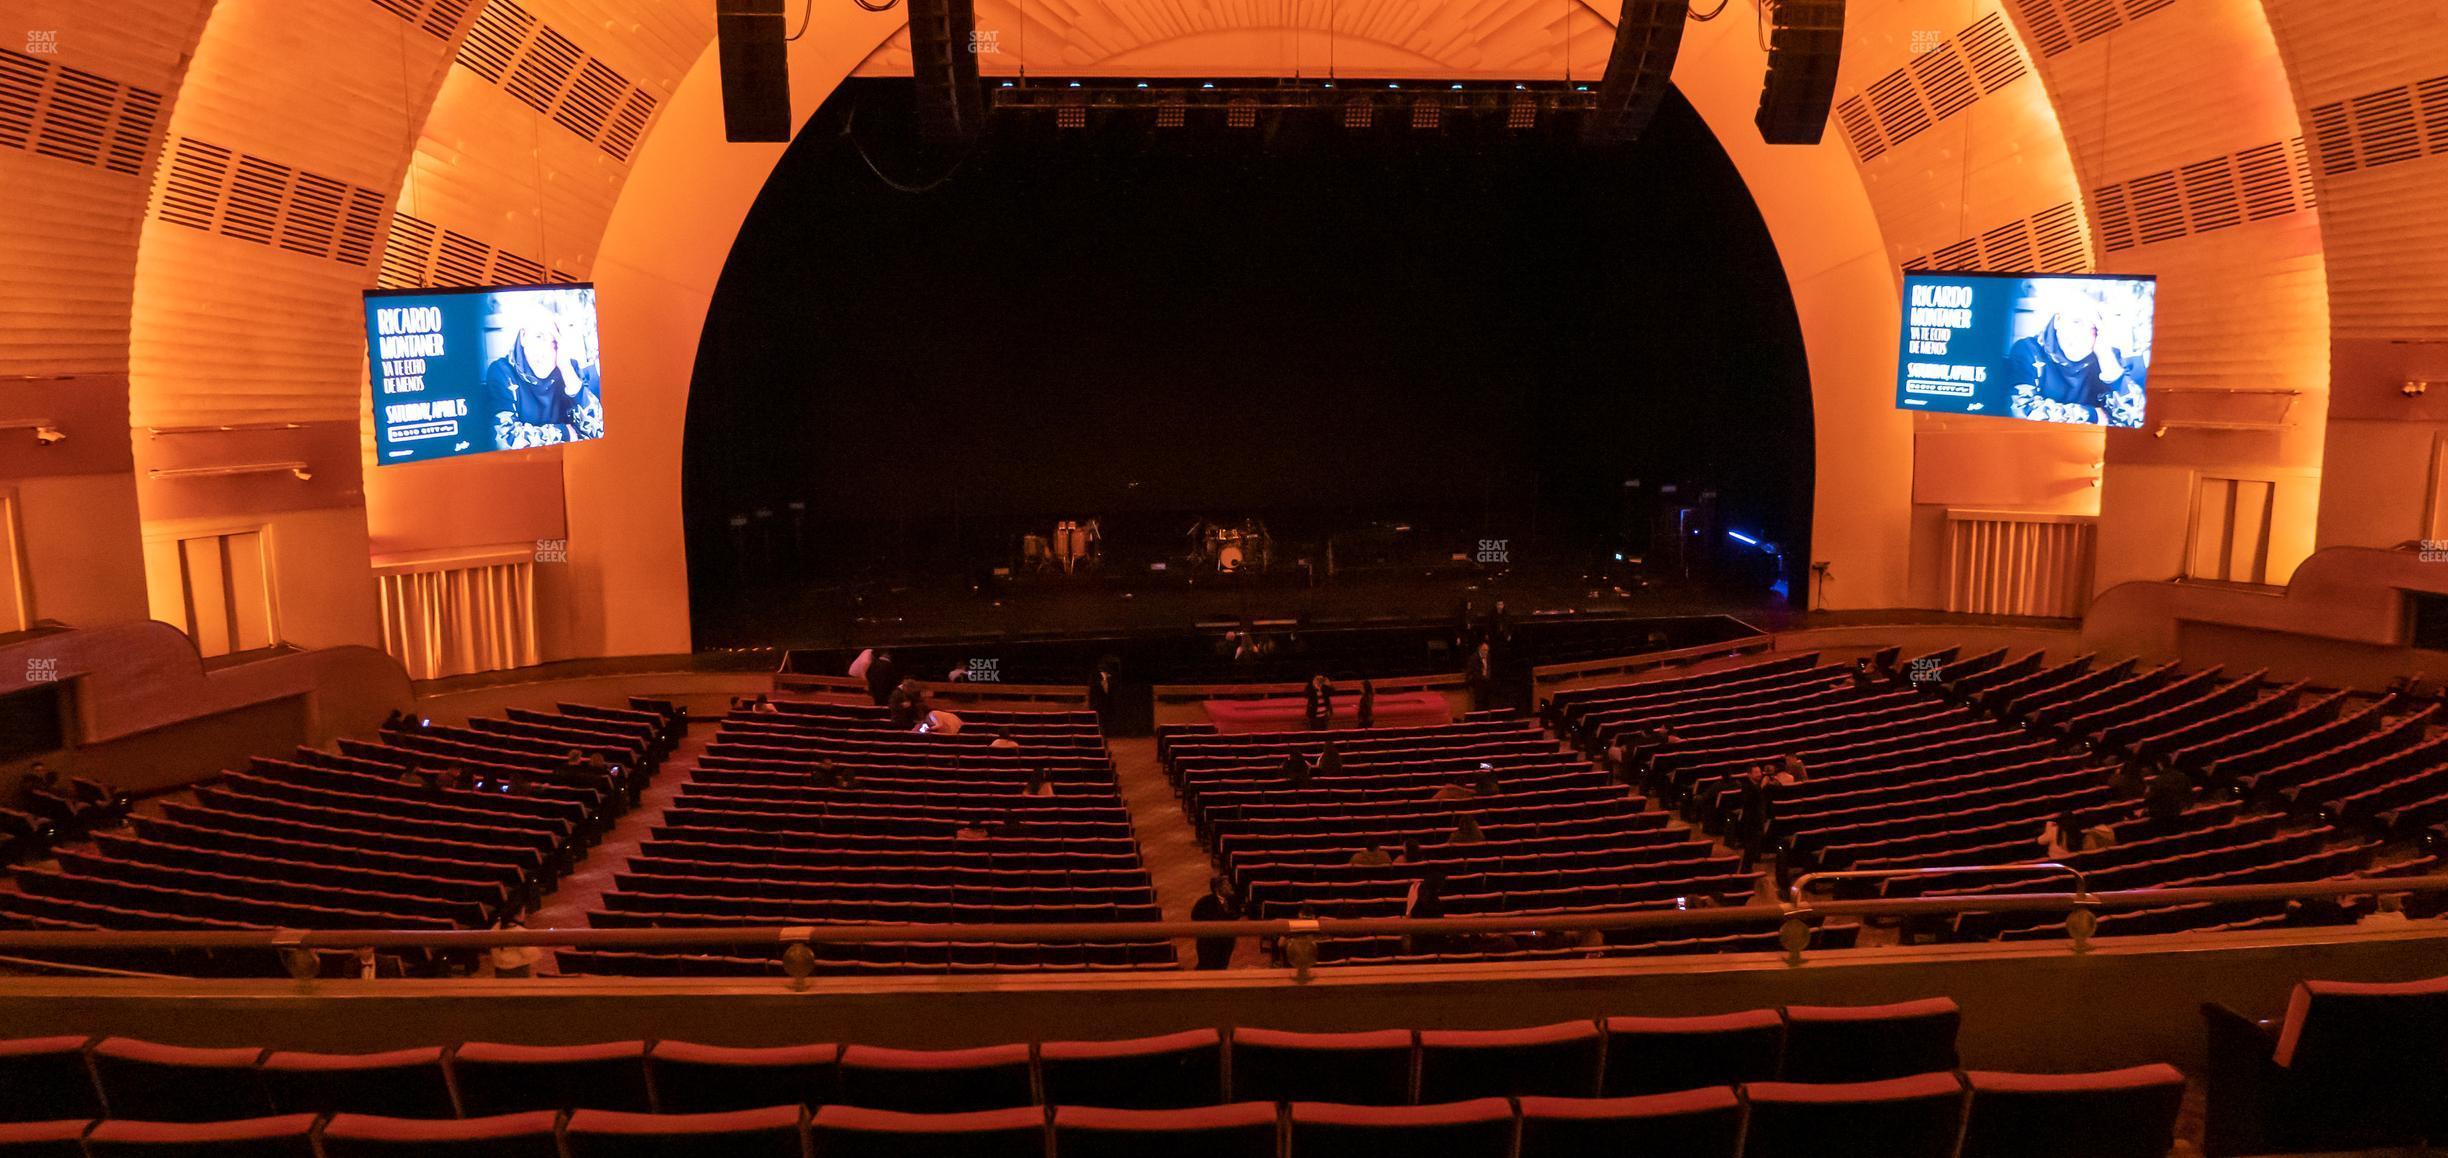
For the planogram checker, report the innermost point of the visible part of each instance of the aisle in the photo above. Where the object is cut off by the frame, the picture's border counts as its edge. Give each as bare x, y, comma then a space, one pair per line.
1176, 863
566, 906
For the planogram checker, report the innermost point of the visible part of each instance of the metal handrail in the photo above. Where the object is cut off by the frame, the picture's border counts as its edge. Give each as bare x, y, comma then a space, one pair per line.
35, 939
1802, 883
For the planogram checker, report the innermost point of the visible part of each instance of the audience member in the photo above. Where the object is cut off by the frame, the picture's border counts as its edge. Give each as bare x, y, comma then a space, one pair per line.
1037, 784
1330, 761
1485, 782
881, 681
1426, 902
1458, 790
1295, 770
1479, 674
2388, 911
1365, 715
1318, 702
1217, 905
1370, 857
826, 773
515, 960
1410, 853
1756, 789
2067, 835
2169, 794
907, 704
1467, 831
367, 965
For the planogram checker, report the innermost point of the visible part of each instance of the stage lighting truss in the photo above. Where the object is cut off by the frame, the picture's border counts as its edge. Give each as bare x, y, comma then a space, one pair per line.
1355, 104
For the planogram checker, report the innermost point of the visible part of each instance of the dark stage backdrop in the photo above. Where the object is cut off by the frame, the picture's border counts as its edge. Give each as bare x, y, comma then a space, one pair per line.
1316, 329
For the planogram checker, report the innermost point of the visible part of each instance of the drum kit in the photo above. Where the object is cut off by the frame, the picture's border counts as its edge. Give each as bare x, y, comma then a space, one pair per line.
1231, 549
1077, 547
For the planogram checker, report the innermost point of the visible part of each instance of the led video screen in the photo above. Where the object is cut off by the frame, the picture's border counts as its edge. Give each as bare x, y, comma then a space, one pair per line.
2039, 347
496, 368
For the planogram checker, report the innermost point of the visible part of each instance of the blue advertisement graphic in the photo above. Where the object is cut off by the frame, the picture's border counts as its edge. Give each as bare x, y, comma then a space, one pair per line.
2042, 348
467, 371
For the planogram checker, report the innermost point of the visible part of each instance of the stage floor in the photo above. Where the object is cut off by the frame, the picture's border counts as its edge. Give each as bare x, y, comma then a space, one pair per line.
921, 611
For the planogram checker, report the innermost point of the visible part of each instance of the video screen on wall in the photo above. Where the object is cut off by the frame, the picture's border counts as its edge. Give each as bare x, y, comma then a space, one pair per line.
494, 368
2040, 347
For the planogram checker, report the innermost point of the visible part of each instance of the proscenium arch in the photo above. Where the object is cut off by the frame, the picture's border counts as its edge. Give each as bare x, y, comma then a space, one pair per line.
663, 252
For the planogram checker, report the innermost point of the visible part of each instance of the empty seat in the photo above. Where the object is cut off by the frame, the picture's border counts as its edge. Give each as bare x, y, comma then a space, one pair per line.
53, 1139
705, 1079
151, 1082
1558, 1060
1914, 1117
932, 1081
1239, 1130
1369, 1068
1868, 1043
772, 1132
402, 1083
1148, 1073
1658, 1055
856, 1132
527, 1135
1480, 1128
283, 1136
505, 1079
2128, 1113
2351, 1065
1704, 1123
45, 1079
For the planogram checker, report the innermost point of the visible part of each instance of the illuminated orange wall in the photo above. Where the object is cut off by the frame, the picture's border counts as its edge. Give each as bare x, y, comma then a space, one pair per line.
1985, 135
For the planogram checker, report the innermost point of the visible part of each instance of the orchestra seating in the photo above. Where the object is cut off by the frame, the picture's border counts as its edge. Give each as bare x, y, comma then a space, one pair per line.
1948, 760
364, 835
816, 814
1541, 1090
1559, 837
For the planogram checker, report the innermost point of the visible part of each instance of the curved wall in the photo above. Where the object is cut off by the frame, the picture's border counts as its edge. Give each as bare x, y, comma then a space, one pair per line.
563, 138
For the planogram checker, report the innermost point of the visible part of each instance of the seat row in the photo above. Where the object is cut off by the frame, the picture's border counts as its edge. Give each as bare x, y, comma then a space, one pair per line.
71, 1077
2118, 1114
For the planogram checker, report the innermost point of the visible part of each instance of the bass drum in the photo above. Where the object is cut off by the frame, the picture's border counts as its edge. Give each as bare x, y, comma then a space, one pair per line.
1228, 560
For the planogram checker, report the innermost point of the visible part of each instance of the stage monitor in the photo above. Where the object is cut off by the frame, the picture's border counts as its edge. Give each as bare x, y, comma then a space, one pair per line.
463, 371
2040, 347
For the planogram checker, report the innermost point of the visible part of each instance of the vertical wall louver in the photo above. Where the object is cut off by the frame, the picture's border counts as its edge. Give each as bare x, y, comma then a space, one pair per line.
259, 200
419, 255
2050, 241
2255, 184
1942, 80
2058, 25
2387, 127
550, 73
71, 115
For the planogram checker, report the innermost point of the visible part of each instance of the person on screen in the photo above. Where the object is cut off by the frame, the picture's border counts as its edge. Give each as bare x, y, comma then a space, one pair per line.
537, 394
2081, 367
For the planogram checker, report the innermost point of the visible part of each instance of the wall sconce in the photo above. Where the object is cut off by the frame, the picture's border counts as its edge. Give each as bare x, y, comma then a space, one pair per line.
45, 434
2414, 387
297, 470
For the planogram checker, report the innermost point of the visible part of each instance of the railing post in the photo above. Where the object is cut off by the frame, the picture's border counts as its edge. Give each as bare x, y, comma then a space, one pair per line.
1795, 936
294, 957
2079, 925
798, 959
1301, 948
